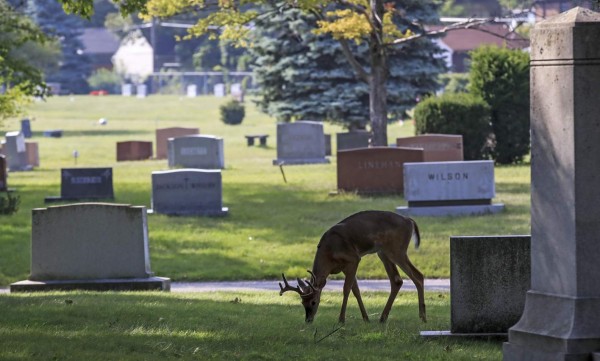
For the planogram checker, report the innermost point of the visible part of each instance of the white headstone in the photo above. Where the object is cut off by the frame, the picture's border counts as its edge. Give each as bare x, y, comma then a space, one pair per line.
126, 90
220, 90
192, 91
142, 90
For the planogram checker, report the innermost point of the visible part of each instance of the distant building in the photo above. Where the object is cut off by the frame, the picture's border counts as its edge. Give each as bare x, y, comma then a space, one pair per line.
458, 43
135, 56
99, 45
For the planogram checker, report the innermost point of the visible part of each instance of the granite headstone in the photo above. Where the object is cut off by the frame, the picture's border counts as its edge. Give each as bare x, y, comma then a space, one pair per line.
163, 135
133, 150
437, 147
85, 183
301, 142
16, 152
353, 140
196, 151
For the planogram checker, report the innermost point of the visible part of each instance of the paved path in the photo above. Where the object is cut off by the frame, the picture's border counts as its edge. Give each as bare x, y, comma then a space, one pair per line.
332, 285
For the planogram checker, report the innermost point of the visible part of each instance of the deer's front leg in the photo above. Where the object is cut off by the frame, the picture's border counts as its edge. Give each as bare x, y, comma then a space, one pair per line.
350, 273
356, 293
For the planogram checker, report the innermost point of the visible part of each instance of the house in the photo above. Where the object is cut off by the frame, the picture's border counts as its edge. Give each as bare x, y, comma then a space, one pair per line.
458, 43
134, 57
99, 45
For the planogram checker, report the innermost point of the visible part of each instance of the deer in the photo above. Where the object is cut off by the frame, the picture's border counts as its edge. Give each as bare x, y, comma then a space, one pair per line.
340, 250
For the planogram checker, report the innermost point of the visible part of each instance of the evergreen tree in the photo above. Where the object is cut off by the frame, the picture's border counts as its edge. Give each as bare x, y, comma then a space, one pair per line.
302, 75
74, 66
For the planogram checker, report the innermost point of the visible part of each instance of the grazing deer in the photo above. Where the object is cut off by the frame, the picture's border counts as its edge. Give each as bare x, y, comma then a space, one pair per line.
340, 249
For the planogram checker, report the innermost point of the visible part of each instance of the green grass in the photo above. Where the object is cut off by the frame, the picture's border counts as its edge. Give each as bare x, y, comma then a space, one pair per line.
222, 326
272, 227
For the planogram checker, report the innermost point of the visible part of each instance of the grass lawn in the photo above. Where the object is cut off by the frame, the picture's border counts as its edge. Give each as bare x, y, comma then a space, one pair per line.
222, 326
272, 227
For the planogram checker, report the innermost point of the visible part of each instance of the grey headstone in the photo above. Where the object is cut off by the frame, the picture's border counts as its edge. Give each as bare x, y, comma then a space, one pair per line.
3, 173
141, 91
301, 142
126, 90
89, 241
196, 151
353, 140
16, 152
562, 308
449, 188
188, 192
489, 277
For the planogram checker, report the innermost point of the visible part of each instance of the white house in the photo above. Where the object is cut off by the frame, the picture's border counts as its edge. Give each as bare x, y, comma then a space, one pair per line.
135, 56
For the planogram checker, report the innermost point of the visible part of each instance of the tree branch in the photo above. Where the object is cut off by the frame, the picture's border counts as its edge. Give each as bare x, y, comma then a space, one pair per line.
467, 24
356, 66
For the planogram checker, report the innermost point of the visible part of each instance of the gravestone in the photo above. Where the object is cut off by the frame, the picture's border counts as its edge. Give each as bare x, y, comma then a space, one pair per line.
301, 142
219, 90
376, 170
196, 151
53, 133
562, 308
192, 91
489, 276
33, 154
327, 144
237, 92
437, 147
133, 150
141, 90
93, 246
184, 192
449, 189
16, 152
163, 135
126, 90
85, 183
353, 140
3, 173
26, 128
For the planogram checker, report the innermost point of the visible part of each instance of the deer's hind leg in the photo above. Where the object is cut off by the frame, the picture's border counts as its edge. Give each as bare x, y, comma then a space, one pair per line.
416, 276
395, 284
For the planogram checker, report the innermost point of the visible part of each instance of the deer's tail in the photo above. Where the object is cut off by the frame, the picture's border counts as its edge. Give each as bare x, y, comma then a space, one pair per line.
416, 232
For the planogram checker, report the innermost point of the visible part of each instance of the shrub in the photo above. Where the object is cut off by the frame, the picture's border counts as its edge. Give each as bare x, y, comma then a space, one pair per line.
232, 112
104, 79
500, 76
454, 82
457, 113
9, 203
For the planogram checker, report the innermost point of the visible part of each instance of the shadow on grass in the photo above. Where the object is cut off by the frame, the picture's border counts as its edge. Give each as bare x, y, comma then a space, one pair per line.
150, 326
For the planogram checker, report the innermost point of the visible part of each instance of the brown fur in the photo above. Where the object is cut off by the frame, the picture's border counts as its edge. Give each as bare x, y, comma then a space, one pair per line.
340, 250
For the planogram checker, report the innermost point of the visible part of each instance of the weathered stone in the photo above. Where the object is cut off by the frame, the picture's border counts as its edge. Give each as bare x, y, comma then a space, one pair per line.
133, 150
562, 308
301, 142
374, 170
196, 151
489, 277
91, 242
163, 135
449, 188
437, 147
188, 192
16, 152
353, 140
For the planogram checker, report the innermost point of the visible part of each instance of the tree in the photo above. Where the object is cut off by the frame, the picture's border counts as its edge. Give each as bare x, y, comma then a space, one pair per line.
74, 66
302, 75
500, 76
381, 25
19, 79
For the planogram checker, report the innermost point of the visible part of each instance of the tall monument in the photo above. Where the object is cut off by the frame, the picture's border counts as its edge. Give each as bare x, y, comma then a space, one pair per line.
561, 319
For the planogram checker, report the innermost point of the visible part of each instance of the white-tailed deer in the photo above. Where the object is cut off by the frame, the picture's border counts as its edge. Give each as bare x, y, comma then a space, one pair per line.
340, 249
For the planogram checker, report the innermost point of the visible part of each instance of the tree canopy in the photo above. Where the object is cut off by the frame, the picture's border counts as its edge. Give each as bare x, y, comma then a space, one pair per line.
381, 25
19, 78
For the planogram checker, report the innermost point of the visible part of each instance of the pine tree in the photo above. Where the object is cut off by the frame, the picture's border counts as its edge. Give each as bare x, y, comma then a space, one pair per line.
302, 75
74, 66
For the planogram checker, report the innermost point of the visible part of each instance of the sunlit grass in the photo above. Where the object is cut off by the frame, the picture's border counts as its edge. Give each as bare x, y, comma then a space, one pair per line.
222, 326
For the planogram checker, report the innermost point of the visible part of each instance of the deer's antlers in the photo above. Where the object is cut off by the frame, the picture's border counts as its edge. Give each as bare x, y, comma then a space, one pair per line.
303, 289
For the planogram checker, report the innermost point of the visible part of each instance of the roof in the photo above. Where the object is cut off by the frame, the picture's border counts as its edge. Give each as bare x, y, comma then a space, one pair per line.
99, 41
462, 40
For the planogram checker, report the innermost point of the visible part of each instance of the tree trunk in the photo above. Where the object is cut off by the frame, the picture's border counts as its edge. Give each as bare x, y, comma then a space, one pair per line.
378, 78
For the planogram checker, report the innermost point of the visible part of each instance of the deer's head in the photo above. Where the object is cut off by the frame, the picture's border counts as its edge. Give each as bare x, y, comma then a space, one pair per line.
309, 294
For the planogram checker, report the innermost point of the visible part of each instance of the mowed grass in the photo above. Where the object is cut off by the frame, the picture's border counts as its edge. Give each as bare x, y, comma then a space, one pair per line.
222, 326
272, 226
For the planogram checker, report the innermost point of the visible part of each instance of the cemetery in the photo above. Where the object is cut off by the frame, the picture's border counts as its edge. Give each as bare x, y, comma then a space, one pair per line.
90, 276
